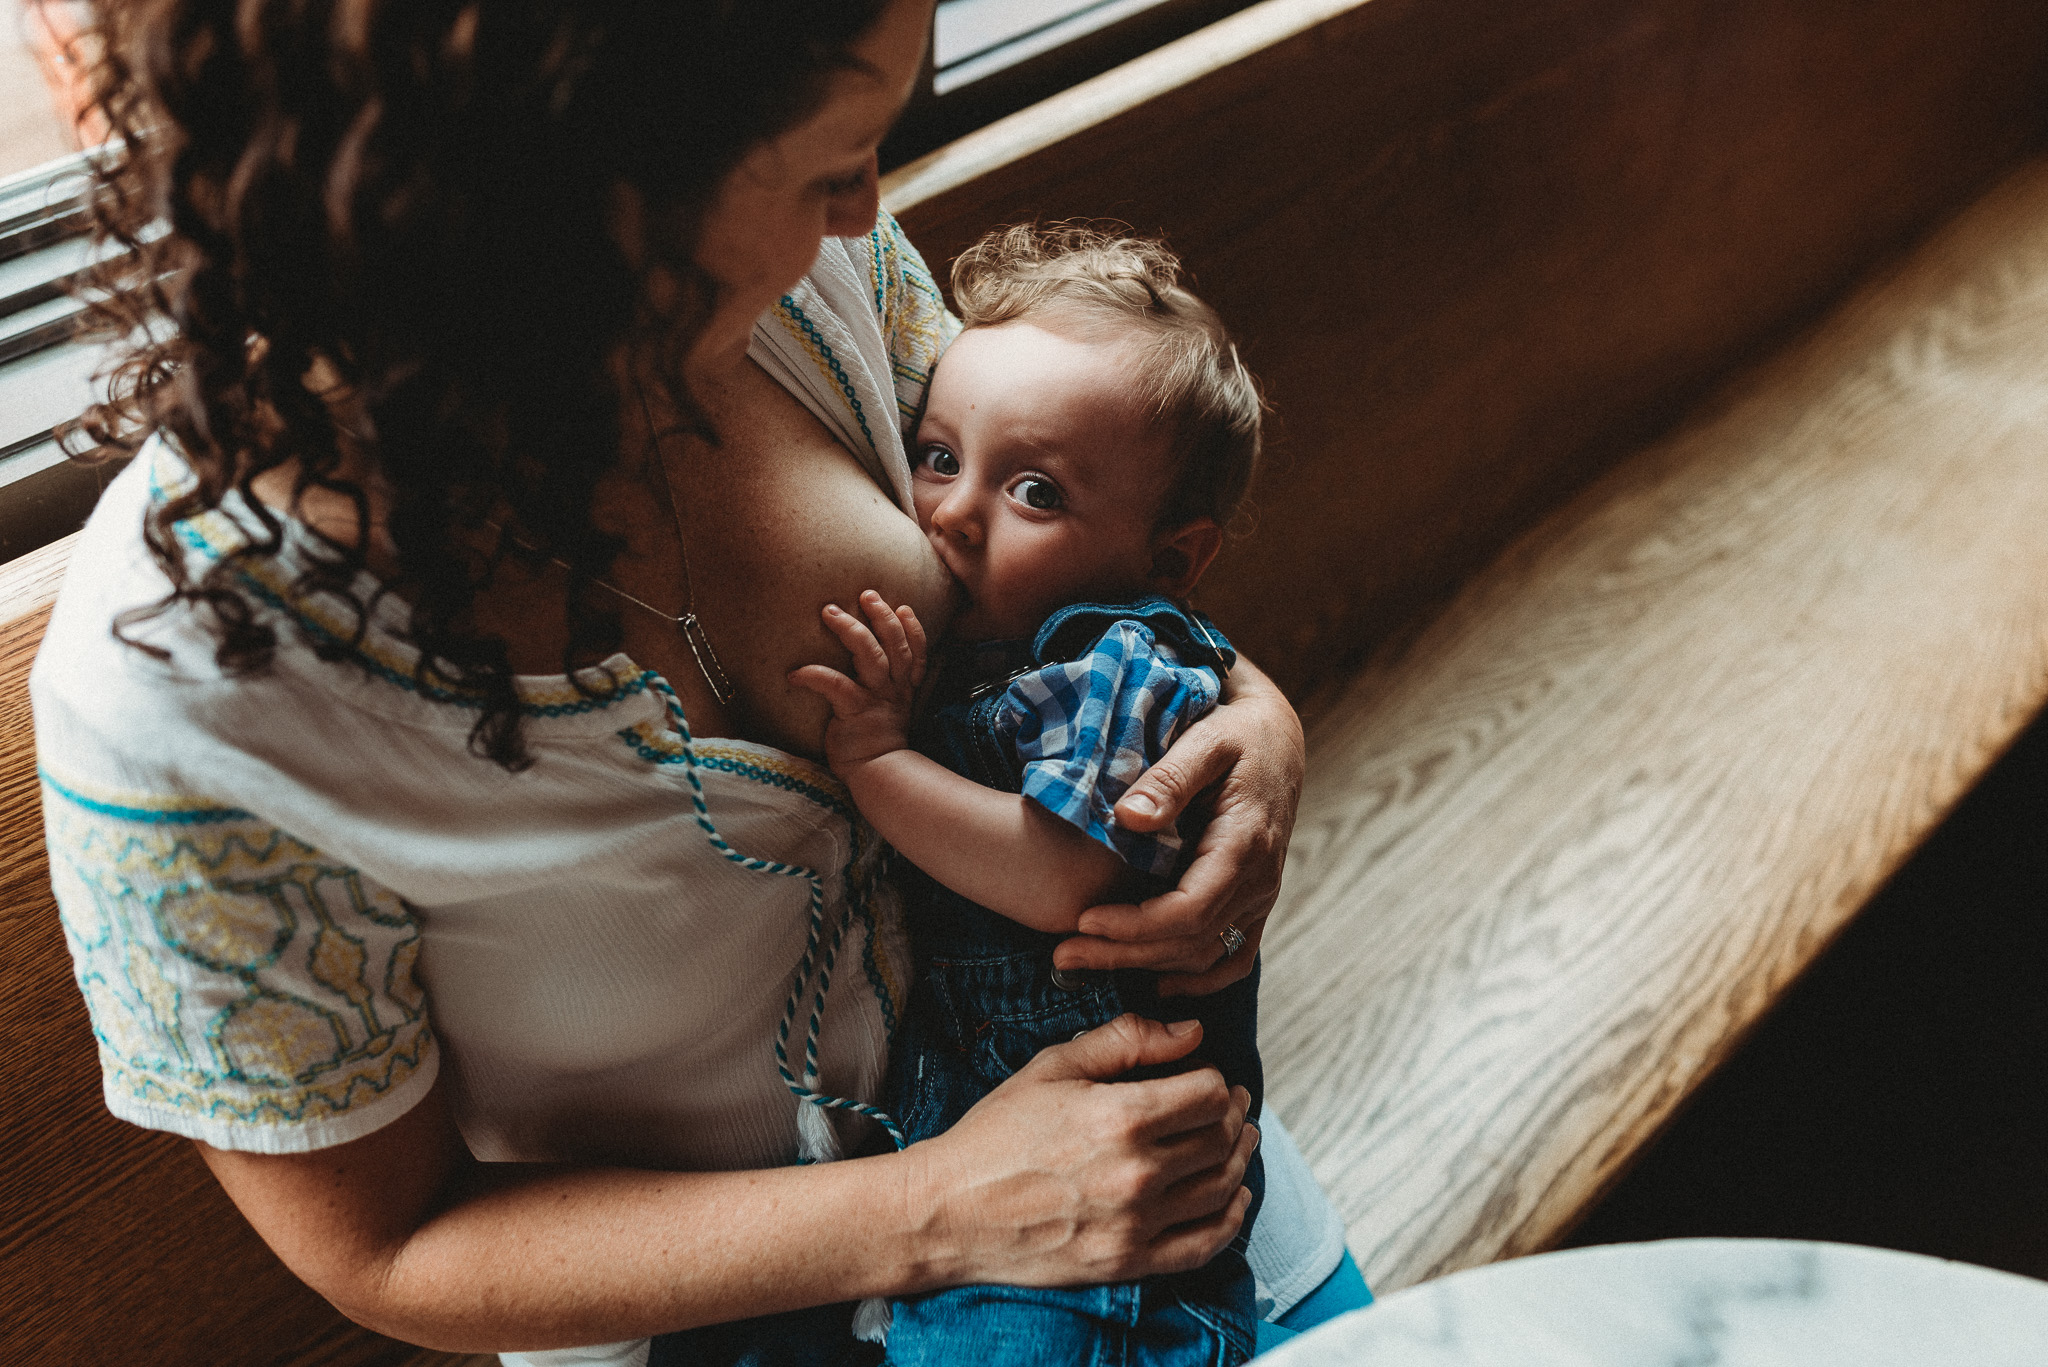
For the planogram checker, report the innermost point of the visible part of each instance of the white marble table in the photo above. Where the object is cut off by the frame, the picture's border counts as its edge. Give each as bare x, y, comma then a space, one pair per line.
1696, 1303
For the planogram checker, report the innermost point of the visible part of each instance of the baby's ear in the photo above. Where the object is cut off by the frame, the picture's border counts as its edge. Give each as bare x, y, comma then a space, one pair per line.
1180, 556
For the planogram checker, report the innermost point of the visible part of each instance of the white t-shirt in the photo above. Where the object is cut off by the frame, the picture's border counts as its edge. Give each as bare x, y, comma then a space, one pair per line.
293, 897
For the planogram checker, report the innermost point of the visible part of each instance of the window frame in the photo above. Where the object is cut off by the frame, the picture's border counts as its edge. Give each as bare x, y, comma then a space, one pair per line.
49, 375
934, 119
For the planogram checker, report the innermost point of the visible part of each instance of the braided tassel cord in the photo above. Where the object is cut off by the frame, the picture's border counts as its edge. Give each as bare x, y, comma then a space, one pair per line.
816, 1141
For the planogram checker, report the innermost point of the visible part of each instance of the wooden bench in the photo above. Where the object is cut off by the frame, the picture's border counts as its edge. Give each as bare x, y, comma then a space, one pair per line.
1566, 839
1559, 854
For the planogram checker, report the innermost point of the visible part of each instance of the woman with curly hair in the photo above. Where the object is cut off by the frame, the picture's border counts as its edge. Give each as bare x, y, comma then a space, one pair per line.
509, 382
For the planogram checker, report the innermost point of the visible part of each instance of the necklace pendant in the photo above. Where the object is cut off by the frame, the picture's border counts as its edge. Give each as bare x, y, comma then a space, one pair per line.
707, 658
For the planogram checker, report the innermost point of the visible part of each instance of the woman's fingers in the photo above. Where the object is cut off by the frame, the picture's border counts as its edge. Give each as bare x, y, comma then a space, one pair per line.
1188, 1152
1184, 1247
1059, 1177
1171, 1112
1167, 1111
1188, 954
1224, 971
1110, 1051
1235, 874
1181, 931
1199, 758
1188, 966
1232, 883
1202, 1191
1253, 744
1193, 908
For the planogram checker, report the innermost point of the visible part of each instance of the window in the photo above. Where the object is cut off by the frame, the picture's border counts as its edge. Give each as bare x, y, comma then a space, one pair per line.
46, 374
973, 39
990, 58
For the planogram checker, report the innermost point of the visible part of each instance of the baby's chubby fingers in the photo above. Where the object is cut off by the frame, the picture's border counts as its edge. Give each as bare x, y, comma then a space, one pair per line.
846, 697
920, 648
894, 636
870, 659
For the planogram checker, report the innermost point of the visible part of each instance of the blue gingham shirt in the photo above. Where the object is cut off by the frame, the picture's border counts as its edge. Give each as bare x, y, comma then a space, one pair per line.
1086, 729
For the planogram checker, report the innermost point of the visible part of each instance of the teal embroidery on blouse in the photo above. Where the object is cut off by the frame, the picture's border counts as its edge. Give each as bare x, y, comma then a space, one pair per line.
914, 317
169, 814
823, 352
232, 973
263, 579
658, 746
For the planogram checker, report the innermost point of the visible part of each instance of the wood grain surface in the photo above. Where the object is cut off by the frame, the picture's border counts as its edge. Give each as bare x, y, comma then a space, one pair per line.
1476, 251
1558, 855
116, 1244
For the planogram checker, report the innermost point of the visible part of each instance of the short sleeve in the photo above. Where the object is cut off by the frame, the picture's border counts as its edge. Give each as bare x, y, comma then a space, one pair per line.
244, 989
915, 320
1086, 730
855, 342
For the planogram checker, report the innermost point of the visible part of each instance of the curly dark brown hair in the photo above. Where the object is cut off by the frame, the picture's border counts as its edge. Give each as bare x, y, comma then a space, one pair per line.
415, 198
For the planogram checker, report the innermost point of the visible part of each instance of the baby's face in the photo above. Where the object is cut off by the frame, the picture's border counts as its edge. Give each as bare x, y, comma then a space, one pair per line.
1038, 476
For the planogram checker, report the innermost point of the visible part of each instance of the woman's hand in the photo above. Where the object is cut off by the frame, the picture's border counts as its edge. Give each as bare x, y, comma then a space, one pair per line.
1253, 744
1061, 1177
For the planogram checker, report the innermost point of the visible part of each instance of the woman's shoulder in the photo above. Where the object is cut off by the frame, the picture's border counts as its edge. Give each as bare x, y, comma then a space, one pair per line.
856, 341
911, 308
337, 738
123, 668
162, 670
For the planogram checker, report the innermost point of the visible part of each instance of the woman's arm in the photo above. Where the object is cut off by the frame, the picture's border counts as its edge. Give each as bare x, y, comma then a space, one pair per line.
1055, 1178
1253, 744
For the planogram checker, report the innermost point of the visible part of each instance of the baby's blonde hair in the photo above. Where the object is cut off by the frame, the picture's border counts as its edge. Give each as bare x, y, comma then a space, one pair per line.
1189, 368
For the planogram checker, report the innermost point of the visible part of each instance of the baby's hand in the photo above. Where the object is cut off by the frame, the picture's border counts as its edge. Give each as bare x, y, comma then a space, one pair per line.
871, 712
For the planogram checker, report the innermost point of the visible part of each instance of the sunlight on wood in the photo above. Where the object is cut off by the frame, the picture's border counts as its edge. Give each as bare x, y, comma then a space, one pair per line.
1555, 858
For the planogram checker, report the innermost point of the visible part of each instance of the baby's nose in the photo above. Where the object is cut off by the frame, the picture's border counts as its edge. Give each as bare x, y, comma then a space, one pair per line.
955, 519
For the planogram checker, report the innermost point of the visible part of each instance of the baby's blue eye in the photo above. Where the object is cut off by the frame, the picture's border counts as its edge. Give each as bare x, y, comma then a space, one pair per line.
1041, 494
940, 461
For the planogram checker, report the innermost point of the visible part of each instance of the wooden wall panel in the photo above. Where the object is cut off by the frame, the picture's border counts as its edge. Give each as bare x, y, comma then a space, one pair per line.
1478, 249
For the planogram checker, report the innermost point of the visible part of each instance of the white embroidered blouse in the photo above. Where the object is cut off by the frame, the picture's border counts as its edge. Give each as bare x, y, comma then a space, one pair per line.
292, 898
266, 879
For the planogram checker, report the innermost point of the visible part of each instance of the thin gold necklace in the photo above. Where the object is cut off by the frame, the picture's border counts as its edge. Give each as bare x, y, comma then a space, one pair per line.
692, 629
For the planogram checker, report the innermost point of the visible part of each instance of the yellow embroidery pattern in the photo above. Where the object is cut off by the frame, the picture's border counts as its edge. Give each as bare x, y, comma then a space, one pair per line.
914, 316
233, 974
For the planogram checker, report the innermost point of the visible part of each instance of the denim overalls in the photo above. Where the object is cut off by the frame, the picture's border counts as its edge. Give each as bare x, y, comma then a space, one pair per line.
987, 998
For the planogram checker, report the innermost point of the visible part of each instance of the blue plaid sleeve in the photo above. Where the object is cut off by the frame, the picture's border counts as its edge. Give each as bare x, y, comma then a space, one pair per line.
1087, 729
